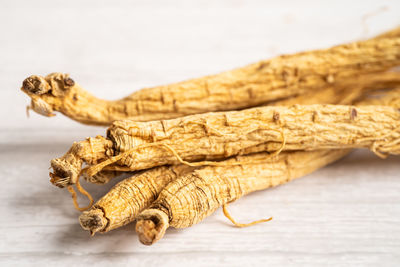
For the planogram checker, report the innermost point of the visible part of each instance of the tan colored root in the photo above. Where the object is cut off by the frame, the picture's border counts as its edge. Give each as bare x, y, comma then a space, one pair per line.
215, 136
67, 169
125, 200
256, 84
122, 197
331, 95
346, 92
118, 208
94, 221
189, 199
390, 34
209, 187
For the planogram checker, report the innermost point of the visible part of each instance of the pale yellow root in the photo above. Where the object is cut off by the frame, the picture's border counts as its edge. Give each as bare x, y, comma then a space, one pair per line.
189, 199
67, 169
125, 200
331, 95
122, 204
215, 136
345, 93
256, 84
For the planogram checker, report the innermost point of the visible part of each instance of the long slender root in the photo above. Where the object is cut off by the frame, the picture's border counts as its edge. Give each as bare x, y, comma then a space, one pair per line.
128, 198
338, 94
257, 84
189, 199
305, 127
83, 192
123, 203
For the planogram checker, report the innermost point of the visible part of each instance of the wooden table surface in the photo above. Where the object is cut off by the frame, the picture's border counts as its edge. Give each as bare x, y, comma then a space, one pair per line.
347, 214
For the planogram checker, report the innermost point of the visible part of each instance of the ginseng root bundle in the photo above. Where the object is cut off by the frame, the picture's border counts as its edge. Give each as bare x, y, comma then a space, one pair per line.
200, 144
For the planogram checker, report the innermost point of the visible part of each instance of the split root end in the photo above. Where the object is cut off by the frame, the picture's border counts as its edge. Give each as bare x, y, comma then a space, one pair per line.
93, 220
151, 226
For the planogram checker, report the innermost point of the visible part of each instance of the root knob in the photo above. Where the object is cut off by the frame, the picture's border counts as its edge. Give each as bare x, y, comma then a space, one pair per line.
93, 220
36, 85
151, 226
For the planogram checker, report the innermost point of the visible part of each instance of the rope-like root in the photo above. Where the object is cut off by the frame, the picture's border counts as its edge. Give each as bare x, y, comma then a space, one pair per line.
83, 192
95, 169
151, 226
227, 215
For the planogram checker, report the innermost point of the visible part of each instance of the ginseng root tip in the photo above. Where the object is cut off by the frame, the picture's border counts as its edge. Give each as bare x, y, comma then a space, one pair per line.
93, 221
64, 173
151, 226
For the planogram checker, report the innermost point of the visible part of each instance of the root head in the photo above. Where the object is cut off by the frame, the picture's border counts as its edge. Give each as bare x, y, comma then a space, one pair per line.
45, 92
35, 85
93, 220
64, 173
151, 226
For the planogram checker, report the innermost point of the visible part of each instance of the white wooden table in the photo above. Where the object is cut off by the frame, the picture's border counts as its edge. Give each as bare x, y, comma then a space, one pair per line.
347, 214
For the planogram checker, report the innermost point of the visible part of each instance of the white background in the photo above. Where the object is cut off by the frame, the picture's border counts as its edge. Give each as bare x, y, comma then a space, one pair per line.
347, 214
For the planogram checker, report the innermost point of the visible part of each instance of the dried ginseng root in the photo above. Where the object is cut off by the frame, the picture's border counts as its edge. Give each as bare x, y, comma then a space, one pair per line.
347, 92
124, 202
339, 94
253, 85
189, 199
112, 211
128, 198
213, 136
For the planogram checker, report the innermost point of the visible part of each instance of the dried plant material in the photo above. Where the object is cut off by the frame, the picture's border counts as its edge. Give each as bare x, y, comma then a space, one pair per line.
253, 85
339, 94
89, 151
214, 136
393, 33
346, 92
122, 204
189, 199
126, 199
